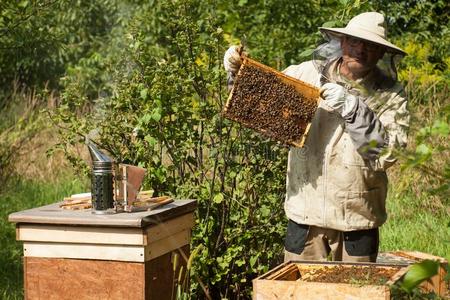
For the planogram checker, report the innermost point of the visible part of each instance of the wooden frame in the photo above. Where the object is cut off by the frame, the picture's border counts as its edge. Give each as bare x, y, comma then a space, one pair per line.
284, 281
310, 92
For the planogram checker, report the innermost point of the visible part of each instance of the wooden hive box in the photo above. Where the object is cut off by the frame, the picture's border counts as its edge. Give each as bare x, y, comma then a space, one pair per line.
74, 254
276, 105
338, 280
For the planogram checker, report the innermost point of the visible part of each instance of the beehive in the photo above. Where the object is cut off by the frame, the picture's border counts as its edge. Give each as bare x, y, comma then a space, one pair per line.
345, 280
278, 106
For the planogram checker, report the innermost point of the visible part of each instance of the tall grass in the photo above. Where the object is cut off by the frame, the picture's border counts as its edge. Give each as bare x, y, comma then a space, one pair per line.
412, 227
419, 203
28, 177
23, 194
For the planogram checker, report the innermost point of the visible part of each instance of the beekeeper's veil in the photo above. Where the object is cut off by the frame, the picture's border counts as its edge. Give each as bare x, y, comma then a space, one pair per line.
369, 26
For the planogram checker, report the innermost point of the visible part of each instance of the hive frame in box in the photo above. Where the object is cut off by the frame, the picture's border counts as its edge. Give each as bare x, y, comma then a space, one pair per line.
307, 90
283, 282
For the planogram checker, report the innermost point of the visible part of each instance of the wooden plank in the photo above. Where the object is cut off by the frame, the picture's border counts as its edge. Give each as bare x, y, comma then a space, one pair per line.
84, 251
418, 256
103, 235
273, 273
80, 234
289, 272
168, 228
278, 289
108, 252
53, 214
61, 279
168, 244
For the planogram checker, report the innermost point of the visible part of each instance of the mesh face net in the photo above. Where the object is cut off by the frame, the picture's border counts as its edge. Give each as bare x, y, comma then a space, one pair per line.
330, 51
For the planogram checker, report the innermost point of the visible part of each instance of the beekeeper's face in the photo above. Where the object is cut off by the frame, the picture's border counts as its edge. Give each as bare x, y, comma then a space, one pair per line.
360, 56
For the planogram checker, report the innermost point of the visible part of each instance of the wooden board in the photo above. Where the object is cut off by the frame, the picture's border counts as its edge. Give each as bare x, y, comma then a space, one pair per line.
84, 251
169, 228
53, 214
103, 235
139, 253
80, 234
60, 279
64, 279
309, 94
160, 247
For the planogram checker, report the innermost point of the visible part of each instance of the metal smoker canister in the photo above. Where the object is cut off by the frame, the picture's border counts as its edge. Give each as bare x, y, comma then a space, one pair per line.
102, 186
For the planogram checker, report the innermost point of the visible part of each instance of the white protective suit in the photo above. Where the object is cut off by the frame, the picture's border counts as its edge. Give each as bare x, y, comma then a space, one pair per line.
338, 179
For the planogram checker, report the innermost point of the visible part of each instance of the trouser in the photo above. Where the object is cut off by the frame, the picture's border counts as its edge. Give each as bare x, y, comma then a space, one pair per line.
305, 242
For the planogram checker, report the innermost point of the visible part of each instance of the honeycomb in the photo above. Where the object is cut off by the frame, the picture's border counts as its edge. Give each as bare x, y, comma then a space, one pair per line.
262, 101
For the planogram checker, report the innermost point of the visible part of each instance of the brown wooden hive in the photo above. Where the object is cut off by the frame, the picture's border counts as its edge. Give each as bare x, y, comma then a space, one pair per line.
276, 105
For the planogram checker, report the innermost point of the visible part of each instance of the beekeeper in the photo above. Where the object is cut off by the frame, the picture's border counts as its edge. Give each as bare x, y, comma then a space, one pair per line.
337, 184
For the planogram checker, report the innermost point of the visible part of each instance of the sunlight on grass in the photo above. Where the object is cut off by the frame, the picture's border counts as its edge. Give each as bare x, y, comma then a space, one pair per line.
20, 195
413, 227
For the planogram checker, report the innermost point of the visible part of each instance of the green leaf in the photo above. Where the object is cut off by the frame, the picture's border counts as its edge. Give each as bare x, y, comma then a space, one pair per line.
144, 93
239, 262
156, 115
242, 2
151, 140
218, 198
23, 4
253, 260
356, 3
329, 24
145, 119
418, 273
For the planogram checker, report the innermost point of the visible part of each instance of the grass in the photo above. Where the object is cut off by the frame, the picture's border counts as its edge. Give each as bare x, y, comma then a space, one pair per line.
19, 195
413, 226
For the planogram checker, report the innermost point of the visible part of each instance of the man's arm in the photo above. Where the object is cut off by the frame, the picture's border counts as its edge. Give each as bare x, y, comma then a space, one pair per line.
374, 137
366, 131
395, 118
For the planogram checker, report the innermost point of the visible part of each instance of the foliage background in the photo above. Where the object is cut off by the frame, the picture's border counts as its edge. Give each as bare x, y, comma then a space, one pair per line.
145, 79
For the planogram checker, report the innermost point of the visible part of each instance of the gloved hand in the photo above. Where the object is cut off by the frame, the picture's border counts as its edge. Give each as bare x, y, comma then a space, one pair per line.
337, 98
232, 59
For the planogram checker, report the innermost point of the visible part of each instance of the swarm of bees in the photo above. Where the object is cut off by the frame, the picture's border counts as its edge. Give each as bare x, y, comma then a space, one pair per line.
262, 101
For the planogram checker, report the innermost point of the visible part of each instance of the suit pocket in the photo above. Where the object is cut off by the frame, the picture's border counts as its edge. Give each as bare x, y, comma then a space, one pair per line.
365, 209
296, 237
361, 242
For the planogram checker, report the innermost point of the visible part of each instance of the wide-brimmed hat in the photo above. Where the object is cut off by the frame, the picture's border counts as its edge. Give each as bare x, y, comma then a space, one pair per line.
369, 26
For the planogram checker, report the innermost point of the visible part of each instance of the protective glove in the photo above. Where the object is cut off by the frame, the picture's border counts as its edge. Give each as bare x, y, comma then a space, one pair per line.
232, 59
338, 99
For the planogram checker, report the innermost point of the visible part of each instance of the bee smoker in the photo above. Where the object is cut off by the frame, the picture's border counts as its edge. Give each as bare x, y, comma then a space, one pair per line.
102, 185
